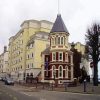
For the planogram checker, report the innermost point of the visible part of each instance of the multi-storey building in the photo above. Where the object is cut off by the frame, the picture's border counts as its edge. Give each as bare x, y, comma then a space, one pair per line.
26, 46
58, 59
4, 63
84, 61
80, 56
79, 46
37, 43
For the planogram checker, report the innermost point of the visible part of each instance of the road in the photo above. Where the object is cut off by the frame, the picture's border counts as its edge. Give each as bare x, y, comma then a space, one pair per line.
18, 93
9, 94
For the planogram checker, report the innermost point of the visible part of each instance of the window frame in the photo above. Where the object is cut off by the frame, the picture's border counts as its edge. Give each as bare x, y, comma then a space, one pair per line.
53, 71
66, 71
53, 53
60, 76
59, 40
59, 56
66, 57
62, 40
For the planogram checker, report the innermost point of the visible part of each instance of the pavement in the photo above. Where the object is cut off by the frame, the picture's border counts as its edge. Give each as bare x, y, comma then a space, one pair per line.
90, 89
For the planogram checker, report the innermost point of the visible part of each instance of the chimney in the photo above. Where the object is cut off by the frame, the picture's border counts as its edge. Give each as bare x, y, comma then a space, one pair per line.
72, 45
5, 49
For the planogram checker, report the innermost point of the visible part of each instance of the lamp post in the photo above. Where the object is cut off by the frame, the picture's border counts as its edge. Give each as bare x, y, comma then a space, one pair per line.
54, 73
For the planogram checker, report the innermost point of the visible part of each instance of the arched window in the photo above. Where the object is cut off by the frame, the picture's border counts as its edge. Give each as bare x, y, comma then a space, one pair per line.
58, 40
53, 71
66, 71
55, 41
52, 41
66, 57
61, 71
61, 40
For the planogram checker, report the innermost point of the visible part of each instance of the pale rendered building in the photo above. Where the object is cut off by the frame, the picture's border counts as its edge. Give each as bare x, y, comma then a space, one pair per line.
4, 63
24, 55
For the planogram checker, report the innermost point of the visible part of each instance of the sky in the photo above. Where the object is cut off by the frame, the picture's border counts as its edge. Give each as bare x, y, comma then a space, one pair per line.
78, 15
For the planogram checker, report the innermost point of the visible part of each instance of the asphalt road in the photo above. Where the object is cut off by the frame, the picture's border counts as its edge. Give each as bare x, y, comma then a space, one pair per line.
15, 93
9, 94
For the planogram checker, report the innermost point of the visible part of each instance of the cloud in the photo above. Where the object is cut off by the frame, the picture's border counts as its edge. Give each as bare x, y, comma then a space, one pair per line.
77, 15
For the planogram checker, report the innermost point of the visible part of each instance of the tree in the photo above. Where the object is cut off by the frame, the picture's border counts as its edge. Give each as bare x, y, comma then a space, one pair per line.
93, 45
76, 61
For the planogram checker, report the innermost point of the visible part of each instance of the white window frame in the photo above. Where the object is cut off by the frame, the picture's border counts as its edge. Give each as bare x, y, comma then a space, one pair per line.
52, 41
31, 55
66, 71
59, 40
62, 40
56, 38
59, 71
59, 56
55, 41
28, 66
53, 69
66, 57
32, 65
30, 46
53, 53
28, 56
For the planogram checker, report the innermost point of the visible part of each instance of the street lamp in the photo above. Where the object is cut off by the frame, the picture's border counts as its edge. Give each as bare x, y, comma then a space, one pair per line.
54, 74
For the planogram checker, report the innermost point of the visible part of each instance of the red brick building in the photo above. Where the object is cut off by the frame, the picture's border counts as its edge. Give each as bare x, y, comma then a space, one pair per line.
58, 64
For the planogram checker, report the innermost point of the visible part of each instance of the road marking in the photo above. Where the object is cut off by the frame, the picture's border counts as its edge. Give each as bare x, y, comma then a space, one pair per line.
3, 90
14, 98
10, 95
42, 99
79, 93
7, 93
84, 93
26, 94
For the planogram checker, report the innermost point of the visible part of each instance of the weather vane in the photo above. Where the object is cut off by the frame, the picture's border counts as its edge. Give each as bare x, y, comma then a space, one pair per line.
58, 6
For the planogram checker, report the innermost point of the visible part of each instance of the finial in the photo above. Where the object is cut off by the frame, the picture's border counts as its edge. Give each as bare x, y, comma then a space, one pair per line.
58, 7
72, 44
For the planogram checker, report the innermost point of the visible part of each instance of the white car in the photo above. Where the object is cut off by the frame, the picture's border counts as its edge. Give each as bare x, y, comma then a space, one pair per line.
9, 81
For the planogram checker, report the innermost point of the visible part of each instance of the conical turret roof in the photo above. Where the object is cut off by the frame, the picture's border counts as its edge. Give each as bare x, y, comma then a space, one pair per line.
59, 25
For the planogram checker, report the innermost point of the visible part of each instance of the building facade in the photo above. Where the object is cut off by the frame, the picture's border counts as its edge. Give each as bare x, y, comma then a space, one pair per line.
78, 46
25, 47
38, 42
58, 59
4, 63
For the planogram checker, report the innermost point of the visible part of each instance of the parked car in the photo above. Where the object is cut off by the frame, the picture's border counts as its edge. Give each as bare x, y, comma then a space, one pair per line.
0, 78
99, 80
3, 79
9, 81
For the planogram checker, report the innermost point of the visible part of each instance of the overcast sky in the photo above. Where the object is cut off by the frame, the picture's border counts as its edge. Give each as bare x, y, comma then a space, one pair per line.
77, 15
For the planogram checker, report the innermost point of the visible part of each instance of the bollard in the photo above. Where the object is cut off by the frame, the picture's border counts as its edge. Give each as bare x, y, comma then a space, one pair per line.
36, 85
85, 85
65, 86
43, 86
52, 86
